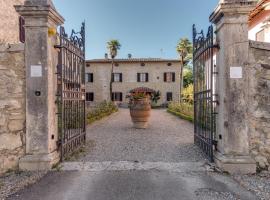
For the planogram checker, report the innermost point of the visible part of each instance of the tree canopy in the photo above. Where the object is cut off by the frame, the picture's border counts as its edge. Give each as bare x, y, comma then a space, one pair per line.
113, 46
184, 48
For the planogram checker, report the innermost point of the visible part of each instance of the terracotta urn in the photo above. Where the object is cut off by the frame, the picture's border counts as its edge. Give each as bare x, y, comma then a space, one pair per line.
140, 110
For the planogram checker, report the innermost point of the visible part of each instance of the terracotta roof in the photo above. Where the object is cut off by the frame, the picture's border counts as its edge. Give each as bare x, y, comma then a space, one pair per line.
132, 60
259, 8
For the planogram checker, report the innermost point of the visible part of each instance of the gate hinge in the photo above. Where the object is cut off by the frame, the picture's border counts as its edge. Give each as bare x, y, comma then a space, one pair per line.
58, 143
57, 46
216, 46
215, 143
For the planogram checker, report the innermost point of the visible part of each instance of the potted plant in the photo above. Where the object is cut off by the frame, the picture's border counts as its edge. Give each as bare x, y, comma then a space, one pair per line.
140, 107
155, 96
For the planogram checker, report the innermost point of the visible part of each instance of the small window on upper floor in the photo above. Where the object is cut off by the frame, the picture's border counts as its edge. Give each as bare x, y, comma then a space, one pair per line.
169, 64
117, 77
142, 77
169, 77
87, 65
116, 64
142, 64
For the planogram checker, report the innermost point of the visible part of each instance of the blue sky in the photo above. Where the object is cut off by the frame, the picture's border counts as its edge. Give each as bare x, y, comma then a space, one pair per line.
145, 28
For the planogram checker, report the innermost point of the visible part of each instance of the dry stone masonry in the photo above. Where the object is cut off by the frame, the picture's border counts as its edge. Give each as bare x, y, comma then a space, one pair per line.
258, 90
12, 105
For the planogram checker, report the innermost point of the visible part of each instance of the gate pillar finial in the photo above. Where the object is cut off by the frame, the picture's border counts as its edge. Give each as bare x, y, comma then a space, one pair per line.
40, 61
231, 20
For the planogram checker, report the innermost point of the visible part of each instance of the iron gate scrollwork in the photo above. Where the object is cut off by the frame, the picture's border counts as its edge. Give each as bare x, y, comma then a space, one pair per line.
71, 91
204, 70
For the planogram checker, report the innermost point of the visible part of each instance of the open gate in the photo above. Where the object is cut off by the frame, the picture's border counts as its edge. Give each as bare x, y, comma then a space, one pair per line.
71, 91
204, 71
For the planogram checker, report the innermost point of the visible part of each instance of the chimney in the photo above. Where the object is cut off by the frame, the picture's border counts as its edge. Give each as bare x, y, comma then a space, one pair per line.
106, 56
129, 56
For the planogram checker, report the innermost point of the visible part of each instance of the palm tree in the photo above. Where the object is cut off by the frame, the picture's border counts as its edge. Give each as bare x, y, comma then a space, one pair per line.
113, 46
184, 49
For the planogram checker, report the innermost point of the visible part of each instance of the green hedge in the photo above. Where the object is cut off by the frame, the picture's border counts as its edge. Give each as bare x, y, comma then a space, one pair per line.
102, 110
182, 116
182, 110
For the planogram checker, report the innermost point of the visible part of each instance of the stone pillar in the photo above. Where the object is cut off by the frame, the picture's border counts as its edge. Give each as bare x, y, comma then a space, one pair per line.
231, 20
40, 62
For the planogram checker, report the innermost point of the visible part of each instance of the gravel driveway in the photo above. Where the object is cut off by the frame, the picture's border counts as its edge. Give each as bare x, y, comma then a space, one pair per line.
159, 163
168, 139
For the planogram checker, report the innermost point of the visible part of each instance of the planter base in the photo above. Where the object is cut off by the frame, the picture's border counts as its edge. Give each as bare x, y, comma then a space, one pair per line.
140, 111
140, 125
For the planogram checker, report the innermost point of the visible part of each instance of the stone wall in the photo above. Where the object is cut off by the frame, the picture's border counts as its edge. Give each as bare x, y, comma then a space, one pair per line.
9, 21
12, 105
258, 90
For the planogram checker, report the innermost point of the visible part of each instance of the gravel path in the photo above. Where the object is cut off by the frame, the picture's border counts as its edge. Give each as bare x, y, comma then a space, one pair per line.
13, 182
120, 162
168, 139
258, 184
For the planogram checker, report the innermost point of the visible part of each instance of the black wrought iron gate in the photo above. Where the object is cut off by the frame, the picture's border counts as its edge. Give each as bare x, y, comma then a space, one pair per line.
204, 71
71, 91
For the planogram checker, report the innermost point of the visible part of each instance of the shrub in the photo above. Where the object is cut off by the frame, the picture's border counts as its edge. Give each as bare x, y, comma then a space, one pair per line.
187, 77
183, 110
187, 94
100, 111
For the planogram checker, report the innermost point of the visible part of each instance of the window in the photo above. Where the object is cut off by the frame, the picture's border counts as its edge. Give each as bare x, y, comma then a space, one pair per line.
142, 64
89, 77
169, 96
117, 77
169, 77
260, 36
117, 96
169, 64
89, 96
142, 77
21, 29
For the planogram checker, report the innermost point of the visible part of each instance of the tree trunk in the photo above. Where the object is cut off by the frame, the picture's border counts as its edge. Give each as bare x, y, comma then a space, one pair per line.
111, 81
181, 77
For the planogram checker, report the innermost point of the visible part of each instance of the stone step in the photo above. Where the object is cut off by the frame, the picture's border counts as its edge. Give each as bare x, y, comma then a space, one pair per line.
129, 165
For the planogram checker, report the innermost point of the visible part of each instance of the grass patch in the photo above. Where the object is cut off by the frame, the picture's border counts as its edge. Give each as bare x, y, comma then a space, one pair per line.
102, 110
183, 110
182, 116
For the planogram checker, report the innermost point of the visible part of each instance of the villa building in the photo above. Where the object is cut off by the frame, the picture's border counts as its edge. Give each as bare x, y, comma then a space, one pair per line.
158, 74
12, 25
259, 22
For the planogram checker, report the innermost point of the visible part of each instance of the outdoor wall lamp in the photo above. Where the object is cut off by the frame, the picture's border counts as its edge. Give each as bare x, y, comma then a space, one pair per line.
52, 31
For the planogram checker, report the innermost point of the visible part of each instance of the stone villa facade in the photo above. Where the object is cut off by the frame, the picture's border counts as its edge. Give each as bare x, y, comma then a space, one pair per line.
9, 21
259, 22
158, 74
